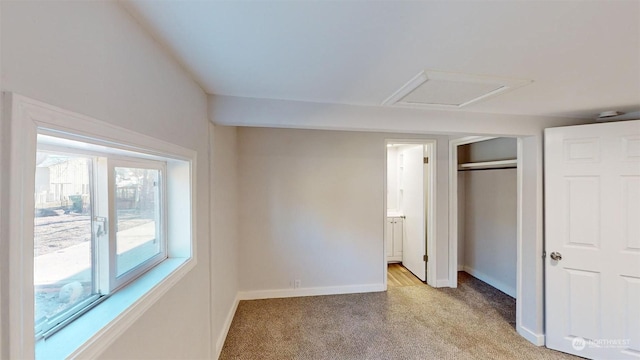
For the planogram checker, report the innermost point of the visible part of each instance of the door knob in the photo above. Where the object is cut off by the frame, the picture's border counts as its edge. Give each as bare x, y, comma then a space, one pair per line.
556, 256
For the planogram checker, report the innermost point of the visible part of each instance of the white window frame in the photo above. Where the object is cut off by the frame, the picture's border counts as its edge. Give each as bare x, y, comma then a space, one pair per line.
103, 205
68, 315
92, 333
117, 281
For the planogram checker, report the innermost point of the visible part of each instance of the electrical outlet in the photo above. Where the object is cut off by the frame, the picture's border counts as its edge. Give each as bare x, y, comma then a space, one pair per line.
296, 284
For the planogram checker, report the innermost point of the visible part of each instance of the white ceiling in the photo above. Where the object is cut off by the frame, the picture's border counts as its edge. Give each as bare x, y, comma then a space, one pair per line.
582, 56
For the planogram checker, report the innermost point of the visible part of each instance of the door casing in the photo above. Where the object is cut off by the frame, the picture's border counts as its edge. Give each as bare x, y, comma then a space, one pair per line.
430, 148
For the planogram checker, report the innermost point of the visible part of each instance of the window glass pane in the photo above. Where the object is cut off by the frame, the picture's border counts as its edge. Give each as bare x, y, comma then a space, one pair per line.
63, 266
137, 217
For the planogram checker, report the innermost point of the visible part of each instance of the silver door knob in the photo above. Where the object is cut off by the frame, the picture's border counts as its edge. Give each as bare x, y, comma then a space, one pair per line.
556, 256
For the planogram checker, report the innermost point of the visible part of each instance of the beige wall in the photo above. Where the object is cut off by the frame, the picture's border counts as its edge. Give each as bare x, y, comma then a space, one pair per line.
311, 207
490, 221
224, 229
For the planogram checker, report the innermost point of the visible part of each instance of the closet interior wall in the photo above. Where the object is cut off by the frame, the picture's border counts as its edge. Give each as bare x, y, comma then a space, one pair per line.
487, 213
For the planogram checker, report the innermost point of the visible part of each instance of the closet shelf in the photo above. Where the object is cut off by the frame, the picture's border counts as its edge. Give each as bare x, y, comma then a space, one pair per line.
498, 164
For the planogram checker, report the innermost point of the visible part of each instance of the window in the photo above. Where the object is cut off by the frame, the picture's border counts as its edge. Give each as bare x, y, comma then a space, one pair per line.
138, 217
101, 225
98, 225
63, 252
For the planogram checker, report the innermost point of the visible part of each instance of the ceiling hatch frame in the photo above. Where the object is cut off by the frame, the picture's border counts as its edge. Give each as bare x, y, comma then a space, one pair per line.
477, 88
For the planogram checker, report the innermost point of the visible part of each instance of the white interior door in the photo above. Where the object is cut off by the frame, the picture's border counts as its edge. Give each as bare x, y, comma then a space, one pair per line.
414, 241
592, 219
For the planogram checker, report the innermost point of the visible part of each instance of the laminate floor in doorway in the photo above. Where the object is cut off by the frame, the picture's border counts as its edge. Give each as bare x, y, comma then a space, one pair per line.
398, 275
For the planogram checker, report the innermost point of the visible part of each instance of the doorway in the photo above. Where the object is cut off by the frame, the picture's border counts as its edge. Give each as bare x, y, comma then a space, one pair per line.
409, 225
485, 195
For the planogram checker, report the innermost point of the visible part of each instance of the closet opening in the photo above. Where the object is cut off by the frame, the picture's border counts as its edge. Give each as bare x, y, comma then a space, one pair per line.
485, 182
409, 226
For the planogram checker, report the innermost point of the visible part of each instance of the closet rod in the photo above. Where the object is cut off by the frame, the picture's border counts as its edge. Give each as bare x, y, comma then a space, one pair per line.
492, 168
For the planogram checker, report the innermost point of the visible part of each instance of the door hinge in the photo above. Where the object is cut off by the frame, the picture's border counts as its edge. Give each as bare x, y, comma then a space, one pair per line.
544, 254
425, 258
426, 160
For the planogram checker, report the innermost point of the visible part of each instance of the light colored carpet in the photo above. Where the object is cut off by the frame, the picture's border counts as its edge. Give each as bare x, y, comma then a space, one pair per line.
474, 321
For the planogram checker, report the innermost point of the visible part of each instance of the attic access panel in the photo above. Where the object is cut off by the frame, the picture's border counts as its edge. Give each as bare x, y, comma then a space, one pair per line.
450, 90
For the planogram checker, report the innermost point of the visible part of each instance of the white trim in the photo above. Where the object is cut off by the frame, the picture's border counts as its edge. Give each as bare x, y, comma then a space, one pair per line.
4, 223
431, 223
536, 339
227, 325
443, 283
509, 290
519, 273
315, 291
79, 127
385, 261
21, 334
210, 135
406, 89
27, 117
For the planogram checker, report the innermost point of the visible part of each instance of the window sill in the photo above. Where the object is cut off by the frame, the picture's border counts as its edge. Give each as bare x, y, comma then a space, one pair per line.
89, 335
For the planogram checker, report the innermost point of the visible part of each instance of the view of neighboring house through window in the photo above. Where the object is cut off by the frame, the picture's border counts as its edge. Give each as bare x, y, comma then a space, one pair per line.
63, 263
98, 225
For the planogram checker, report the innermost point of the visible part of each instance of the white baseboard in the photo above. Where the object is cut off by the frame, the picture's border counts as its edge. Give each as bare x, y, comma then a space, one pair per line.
330, 290
227, 325
442, 283
460, 267
535, 339
511, 291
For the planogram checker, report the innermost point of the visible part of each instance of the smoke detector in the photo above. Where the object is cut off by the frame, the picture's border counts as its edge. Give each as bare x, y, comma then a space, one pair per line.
612, 115
450, 90
609, 114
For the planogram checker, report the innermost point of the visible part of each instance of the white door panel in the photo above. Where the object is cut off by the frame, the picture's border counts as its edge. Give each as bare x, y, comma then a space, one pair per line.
592, 218
414, 240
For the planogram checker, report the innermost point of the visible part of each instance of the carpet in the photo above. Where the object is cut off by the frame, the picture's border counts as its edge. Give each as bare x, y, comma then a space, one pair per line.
474, 321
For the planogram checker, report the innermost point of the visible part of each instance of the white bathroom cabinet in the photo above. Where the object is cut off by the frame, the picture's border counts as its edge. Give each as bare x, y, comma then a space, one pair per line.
393, 238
